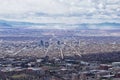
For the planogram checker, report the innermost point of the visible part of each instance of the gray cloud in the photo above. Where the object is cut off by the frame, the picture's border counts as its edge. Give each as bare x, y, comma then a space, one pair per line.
61, 11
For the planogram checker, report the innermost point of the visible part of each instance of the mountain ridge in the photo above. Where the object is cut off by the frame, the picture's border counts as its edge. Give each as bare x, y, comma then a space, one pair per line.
20, 24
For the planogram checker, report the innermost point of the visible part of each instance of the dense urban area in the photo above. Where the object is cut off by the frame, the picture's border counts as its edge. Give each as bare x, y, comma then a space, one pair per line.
59, 54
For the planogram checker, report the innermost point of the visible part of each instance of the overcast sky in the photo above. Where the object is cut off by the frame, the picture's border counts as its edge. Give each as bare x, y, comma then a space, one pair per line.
61, 11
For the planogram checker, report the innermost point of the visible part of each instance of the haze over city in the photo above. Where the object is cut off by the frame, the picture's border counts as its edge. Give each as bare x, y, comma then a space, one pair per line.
59, 39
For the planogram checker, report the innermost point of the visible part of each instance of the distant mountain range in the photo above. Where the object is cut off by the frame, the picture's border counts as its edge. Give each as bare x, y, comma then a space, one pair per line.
30, 25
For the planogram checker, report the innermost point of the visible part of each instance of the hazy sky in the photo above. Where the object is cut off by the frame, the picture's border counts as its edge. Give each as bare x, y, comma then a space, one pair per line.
61, 11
